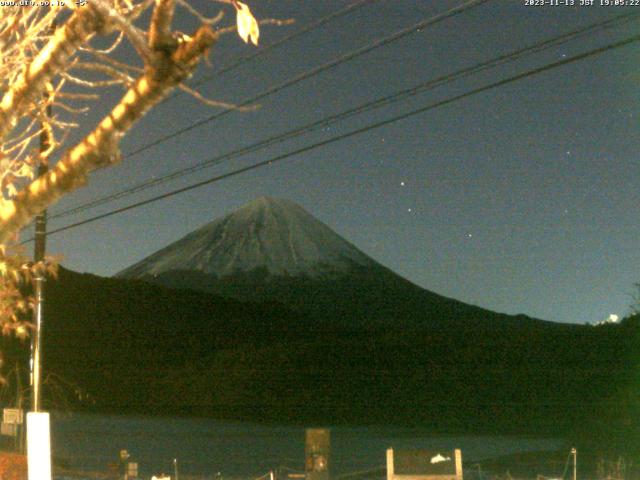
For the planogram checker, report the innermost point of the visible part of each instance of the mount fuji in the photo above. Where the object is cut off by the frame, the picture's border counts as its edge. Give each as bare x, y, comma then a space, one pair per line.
269, 315
275, 236
273, 250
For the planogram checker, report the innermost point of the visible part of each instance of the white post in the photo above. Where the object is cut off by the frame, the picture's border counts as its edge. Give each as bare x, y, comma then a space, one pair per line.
390, 468
38, 446
458, 456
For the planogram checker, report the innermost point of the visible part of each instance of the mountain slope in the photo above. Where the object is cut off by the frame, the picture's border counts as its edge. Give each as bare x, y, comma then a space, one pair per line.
268, 234
143, 348
273, 250
317, 332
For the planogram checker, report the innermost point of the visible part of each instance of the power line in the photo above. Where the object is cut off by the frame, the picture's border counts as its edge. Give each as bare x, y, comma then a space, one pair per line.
368, 106
306, 29
337, 138
259, 52
317, 70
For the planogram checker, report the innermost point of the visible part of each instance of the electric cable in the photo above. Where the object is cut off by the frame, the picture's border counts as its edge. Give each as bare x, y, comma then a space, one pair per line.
267, 48
368, 106
452, 12
566, 465
317, 70
306, 29
358, 131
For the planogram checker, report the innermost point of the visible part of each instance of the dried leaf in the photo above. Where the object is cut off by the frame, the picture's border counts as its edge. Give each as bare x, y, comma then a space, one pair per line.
247, 24
11, 190
22, 332
25, 171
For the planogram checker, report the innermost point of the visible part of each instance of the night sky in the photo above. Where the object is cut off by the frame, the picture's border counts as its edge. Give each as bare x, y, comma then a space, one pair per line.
521, 199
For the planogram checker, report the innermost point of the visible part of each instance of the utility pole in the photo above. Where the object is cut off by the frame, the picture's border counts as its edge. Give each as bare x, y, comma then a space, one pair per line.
574, 452
40, 243
38, 423
19, 443
40, 239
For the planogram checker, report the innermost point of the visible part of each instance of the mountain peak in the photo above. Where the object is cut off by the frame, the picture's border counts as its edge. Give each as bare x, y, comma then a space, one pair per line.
257, 209
271, 234
269, 202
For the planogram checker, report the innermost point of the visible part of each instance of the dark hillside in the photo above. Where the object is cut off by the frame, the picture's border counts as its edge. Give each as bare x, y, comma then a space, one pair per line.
136, 347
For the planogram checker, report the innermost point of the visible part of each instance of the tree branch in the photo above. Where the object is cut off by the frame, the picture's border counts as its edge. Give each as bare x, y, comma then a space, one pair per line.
52, 59
100, 147
160, 28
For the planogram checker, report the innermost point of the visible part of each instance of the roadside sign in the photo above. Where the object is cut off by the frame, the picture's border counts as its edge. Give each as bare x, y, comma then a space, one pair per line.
9, 429
132, 470
13, 416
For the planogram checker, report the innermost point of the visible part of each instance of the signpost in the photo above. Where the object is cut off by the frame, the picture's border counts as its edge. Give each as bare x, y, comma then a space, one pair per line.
12, 419
317, 450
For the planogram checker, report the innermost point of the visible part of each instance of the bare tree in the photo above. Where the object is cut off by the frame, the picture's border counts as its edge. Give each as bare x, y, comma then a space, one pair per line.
48, 58
635, 296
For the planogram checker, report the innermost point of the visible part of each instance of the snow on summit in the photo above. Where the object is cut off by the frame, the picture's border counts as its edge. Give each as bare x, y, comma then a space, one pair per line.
267, 233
